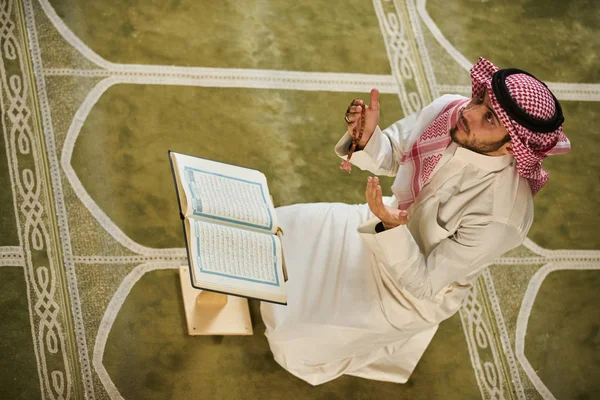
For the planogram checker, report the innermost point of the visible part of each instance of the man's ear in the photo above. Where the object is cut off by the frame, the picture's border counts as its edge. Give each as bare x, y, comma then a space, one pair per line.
506, 149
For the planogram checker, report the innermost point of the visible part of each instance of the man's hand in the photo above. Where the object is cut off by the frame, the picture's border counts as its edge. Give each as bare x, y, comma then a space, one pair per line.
391, 217
371, 117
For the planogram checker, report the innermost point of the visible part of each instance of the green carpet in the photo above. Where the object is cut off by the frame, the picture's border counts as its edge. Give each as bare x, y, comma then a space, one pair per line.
96, 92
19, 378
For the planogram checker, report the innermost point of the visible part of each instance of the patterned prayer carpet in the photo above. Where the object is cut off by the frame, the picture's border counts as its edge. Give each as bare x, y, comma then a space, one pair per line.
94, 93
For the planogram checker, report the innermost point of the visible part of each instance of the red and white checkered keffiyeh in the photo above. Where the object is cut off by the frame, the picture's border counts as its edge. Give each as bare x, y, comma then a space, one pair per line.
426, 153
529, 147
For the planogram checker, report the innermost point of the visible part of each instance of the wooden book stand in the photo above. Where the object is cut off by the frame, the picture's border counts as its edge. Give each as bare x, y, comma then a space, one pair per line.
210, 313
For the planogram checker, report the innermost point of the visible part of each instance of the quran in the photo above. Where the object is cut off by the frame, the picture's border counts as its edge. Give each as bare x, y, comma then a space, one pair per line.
232, 238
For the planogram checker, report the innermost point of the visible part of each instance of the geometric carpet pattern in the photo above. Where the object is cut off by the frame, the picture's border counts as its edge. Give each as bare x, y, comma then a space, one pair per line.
94, 93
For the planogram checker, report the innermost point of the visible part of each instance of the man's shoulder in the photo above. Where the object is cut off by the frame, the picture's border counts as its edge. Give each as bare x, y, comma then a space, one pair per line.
513, 201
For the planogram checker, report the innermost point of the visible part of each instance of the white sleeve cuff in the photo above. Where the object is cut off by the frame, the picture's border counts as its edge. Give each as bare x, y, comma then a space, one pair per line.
342, 146
396, 248
373, 147
368, 158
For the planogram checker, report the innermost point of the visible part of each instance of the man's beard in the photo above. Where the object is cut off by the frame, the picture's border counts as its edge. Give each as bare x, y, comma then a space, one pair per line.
477, 146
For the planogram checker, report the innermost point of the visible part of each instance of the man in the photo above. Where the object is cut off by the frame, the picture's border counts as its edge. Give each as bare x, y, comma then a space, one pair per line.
369, 284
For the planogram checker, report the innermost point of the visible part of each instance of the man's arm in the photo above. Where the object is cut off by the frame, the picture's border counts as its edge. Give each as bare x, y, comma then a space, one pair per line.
384, 150
376, 157
470, 248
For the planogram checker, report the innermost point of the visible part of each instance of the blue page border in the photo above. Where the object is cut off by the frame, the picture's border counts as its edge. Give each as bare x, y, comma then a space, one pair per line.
187, 180
233, 276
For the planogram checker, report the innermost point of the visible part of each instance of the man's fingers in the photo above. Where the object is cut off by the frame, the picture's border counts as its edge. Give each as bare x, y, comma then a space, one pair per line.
401, 217
379, 195
353, 119
369, 188
353, 115
371, 194
358, 102
374, 100
374, 197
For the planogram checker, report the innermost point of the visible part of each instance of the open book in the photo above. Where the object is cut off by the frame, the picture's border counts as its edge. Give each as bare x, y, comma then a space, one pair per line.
230, 226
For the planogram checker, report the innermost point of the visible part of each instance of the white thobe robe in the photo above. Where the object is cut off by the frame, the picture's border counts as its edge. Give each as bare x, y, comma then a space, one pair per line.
367, 304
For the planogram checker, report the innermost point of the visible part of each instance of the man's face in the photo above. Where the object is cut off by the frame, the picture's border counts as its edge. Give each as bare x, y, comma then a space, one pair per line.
479, 129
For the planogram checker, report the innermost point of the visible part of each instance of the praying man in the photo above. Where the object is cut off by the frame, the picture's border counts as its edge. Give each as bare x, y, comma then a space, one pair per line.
369, 284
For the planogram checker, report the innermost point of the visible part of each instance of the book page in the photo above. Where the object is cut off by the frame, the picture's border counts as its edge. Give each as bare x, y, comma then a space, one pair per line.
235, 260
228, 199
226, 193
